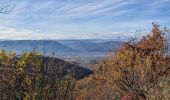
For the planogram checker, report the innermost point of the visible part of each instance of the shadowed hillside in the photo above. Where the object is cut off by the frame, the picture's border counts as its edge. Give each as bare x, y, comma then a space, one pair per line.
64, 68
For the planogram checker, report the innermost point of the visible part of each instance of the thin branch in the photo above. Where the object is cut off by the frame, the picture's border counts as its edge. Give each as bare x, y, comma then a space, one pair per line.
8, 8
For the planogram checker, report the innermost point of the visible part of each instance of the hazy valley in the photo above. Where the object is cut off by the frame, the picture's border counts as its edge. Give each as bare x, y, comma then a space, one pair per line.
82, 51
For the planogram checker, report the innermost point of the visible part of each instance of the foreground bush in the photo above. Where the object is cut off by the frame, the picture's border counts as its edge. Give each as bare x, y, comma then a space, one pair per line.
31, 76
133, 73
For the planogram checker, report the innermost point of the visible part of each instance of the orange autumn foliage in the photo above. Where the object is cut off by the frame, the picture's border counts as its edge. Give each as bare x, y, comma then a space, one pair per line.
136, 70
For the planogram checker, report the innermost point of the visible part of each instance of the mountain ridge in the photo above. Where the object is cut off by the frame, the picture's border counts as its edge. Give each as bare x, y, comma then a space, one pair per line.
61, 46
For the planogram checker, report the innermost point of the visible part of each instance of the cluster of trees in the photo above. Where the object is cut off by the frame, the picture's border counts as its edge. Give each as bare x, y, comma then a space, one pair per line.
32, 76
132, 73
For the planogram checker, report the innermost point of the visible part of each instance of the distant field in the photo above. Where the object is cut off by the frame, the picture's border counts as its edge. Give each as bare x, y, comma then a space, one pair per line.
71, 56
83, 59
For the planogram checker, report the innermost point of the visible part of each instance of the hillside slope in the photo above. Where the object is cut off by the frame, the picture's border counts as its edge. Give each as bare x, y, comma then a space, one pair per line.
64, 67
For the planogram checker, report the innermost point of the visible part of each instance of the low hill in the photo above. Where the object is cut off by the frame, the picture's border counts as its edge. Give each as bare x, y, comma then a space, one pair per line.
63, 68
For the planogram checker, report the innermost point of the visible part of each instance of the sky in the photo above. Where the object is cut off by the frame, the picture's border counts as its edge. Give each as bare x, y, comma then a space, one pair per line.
81, 19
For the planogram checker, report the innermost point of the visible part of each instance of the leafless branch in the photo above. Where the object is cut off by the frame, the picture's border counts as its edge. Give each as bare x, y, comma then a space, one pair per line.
8, 8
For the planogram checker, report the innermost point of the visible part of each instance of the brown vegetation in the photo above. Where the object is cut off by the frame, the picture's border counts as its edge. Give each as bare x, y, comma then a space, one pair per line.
30, 77
134, 72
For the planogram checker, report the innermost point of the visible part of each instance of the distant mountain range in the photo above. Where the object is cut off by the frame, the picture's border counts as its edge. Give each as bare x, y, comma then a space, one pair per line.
61, 46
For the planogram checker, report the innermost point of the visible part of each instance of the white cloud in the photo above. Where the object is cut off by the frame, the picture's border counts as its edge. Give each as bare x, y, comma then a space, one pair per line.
44, 6
93, 8
154, 6
18, 34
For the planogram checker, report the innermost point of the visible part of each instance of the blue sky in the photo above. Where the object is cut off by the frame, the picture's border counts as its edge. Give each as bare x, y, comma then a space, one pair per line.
82, 19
